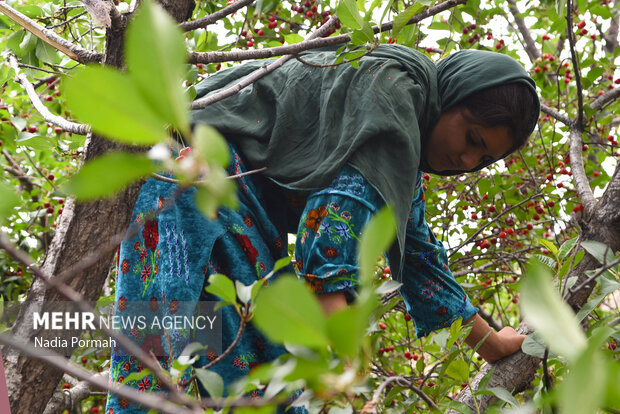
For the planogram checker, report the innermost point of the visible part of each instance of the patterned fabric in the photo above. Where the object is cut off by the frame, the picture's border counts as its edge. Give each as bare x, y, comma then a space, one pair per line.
168, 261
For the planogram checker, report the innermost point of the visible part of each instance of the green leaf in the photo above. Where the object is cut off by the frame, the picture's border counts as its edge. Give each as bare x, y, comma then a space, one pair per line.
504, 395
567, 247
293, 38
211, 145
104, 176
47, 53
377, 237
8, 201
403, 17
599, 251
552, 318
583, 391
388, 287
215, 191
244, 292
111, 103
347, 328
282, 263
546, 260
459, 370
549, 246
213, 383
222, 287
287, 312
155, 53
560, 5
349, 14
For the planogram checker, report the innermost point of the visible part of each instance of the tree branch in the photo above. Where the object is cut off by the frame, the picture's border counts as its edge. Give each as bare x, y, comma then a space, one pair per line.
74, 127
214, 17
75, 52
605, 98
582, 185
257, 74
530, 45
238, 55
65, 399
557, 115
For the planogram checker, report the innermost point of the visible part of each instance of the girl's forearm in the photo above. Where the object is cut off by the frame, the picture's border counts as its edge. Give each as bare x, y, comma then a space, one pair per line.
497, 344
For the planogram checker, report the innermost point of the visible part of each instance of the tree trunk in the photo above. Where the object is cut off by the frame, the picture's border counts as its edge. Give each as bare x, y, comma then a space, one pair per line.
82, 229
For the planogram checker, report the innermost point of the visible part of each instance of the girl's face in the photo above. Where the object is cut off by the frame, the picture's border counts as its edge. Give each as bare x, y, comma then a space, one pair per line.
457, 144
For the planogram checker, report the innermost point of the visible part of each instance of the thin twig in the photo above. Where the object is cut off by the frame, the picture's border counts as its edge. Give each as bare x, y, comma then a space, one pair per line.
232, 177
214, 17
589, 280
68, 126
147, 399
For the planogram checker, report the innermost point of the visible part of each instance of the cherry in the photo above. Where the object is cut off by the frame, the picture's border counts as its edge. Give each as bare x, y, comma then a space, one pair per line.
250, 43
408, 355
58, 130
309, 14
415, 357
545, 37
596, 173
583, 32
46, 204
502, 235
474, 216
407, 317
84, 360
51, 177
61, 201
492, 209
66, 385
584, 147
32, 129
498, 46
48, 98
581, 24
559, 185
50, 210
530, 226
551, 203
612, 346
537, 69
510, 231
261, 32
243, 33
382, 325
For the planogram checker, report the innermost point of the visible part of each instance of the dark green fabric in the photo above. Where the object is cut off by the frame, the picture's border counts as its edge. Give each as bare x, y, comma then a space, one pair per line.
305, 122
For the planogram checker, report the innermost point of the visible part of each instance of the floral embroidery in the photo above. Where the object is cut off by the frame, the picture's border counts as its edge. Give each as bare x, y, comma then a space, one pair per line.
125, 266
174, 306
249, 250
126, 366
429, 288
177, 252
136, 246
152, 342
123, 403
150, 234
146, 272
144, 384
153, 304
314, 218
248, 220
330, 252
122, 303
245, 362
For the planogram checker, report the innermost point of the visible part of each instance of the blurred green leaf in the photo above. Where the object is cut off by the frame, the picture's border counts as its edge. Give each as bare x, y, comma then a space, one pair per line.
155, 53
287, 312
104, 176
552, 318
583, 391
8, 201
215, 191
211, 145
376, 238
459, 370
347, 328
212, 381
599, 251
110, 102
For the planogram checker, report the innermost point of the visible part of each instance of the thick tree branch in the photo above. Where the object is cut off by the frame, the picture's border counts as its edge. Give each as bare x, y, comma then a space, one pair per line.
605, 98
530, 45
66, 399
68, 126
557, 115
257, 74
611, 37
214, 17
582, 185
75, 52
211, 57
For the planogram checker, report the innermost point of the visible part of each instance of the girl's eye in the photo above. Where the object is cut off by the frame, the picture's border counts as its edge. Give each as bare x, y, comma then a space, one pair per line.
470, 140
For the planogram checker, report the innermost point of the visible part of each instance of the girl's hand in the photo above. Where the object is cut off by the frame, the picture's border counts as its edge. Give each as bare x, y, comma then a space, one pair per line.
498, 344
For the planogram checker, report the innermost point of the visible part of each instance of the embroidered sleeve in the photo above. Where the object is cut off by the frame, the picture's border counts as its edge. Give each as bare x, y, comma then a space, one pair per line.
329, 229
433, 297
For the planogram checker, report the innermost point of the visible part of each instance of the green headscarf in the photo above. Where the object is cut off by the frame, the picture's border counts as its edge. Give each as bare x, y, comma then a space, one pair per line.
305, 121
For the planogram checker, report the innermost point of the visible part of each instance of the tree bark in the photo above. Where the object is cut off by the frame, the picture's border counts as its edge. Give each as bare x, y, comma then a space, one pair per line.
82, 228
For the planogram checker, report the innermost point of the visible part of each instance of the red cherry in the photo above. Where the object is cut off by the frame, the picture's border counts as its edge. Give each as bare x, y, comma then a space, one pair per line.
260, 32
485, 197
272, 18
51, 177
407, 317
489, 36
408, 355
61, 201
46, 204
84, 360
510, 231
415, 357
66, 386
498, 46
58, 130
218, 66
536, 217
430, 384
593, 36
474, 216
583, 32
387, 270
537, 69
584, 147
60, 211
309, 14
95, 410
545, 37
559, 185
551, 203
382, 325
50, 210
32, 129
492, 209
502, 235
581, 24
243, 33
612, 346
250, 43
272, 25
596, 173
530, 226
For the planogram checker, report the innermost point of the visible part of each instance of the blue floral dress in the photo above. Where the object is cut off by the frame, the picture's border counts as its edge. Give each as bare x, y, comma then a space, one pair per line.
168, 261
